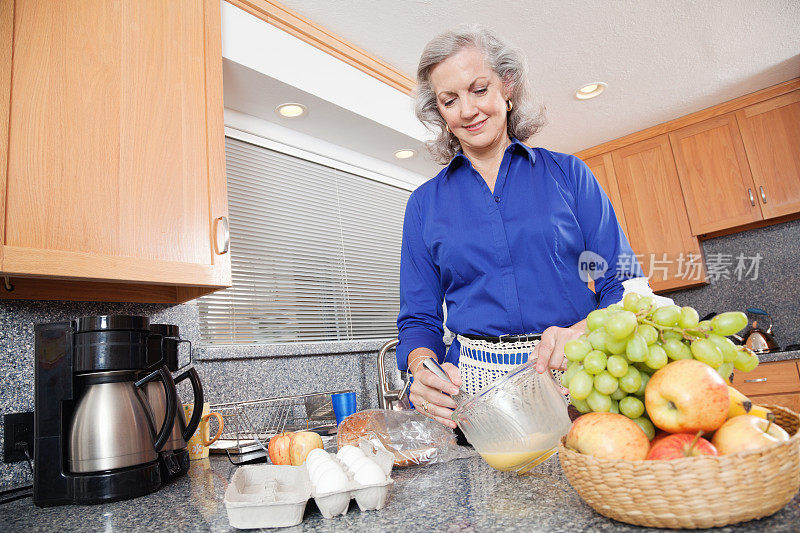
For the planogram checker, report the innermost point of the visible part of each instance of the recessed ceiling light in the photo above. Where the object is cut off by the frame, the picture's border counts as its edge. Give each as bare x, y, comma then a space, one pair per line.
590, 90
290, 110
405, 154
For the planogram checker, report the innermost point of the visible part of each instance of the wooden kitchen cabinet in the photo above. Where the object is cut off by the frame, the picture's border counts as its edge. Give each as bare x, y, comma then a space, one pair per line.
658, 226
775, 383
112, 116
703, 168
602, 167
771, 135
718, 189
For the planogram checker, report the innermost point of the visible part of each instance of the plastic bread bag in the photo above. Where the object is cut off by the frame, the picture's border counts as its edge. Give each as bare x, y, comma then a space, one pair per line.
410, 436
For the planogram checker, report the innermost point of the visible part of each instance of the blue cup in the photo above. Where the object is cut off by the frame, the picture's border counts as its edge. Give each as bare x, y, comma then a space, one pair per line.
344, 405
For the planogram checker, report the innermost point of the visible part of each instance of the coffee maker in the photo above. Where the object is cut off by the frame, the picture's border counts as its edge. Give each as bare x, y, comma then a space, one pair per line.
173, 459
95, 439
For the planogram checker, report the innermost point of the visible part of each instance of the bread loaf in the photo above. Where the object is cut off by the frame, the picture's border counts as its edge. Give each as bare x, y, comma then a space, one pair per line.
396, 432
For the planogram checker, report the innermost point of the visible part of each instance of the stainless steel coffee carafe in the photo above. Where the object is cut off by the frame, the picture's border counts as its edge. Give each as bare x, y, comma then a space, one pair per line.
112, 426
96, 439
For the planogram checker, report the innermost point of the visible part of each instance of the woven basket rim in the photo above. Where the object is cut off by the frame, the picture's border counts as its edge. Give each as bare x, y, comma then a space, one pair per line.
666, 483
683, 460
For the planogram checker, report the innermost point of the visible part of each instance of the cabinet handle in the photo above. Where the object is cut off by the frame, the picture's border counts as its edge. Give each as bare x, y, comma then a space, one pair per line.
752, 200
756, 380
226, 235
763, 194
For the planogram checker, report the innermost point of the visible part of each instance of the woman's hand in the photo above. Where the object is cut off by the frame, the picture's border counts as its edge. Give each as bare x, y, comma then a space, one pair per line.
427, 392
549, 353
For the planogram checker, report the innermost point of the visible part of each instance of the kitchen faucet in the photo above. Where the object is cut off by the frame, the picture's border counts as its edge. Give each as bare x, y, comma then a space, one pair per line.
394, 399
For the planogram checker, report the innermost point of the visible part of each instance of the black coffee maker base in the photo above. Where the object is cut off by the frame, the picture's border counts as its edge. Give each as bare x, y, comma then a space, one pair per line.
173, 463
116, 485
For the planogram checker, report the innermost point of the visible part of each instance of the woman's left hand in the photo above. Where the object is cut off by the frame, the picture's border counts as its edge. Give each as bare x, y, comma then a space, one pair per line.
549, 353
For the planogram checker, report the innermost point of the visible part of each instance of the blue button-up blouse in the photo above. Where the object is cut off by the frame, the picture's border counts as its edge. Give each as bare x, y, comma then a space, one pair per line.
507, 261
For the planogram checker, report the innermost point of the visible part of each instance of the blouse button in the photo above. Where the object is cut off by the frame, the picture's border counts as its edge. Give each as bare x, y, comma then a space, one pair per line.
496, 198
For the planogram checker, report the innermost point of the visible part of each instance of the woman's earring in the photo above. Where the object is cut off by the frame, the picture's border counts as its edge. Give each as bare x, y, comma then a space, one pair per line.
447, 128
509, 105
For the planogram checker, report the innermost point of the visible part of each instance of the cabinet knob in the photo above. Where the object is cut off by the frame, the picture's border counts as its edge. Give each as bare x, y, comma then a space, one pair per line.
763, 194
752, 200
756, 380
226, 235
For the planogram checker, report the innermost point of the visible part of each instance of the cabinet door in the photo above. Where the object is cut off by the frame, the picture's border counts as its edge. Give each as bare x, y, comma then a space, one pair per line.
779, 377
715, 177
658, 227
789, 401
771, 134
6, 46
602, 167
116, 157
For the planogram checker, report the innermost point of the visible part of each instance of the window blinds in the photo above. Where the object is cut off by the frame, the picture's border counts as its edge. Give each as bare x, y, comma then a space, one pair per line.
315, 253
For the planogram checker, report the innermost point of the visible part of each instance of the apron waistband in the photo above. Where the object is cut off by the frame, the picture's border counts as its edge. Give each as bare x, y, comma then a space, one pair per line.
503, 338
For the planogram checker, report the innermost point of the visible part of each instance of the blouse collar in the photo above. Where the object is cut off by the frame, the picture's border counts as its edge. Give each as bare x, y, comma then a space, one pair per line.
516, 145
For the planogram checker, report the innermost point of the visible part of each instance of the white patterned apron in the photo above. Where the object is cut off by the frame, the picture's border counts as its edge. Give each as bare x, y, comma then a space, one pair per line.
481, 362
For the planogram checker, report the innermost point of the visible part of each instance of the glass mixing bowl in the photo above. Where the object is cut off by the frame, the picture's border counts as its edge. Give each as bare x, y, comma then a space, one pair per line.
515, 423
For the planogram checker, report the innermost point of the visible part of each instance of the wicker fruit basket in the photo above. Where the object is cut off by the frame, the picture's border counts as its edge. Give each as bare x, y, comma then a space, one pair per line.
696, 492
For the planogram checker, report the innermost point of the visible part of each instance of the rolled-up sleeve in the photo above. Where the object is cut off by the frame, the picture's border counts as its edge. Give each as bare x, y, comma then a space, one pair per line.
603, 235
420, 322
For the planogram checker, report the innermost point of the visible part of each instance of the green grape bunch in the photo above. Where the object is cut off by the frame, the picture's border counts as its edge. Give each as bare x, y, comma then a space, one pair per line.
610, 365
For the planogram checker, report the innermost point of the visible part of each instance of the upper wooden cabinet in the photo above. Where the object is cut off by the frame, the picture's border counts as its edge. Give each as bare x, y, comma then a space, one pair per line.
721, 169
115, 136
602, 167
771, 134
715, 177
658, 227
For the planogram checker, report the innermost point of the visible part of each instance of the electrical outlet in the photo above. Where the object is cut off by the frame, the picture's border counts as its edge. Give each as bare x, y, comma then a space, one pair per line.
17, 427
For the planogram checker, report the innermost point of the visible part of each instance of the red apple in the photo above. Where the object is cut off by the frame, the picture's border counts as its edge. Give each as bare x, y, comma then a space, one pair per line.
680, 445
747, 432
659, 437
279, 447
302, 444
687, 396
608, 436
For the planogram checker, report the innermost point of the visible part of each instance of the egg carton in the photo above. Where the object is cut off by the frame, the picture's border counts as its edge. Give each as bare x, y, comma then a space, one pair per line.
368, 497
263, 496
267, 496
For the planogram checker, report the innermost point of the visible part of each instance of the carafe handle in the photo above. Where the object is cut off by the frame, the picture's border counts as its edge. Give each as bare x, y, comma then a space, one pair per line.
197, 413
172, 403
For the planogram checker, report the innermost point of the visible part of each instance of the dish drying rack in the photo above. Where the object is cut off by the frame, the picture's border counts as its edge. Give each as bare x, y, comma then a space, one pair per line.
248, 425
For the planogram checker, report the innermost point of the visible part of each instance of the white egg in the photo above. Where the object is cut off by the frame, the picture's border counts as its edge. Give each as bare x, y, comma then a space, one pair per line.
331, 480
349, 453
315, 455
317, 465
370, 474
356, 465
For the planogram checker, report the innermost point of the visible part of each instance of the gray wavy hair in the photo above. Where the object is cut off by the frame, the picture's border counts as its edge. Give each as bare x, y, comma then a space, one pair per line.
524, 120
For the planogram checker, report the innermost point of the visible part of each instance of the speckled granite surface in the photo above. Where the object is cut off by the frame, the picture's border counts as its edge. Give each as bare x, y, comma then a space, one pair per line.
779, 356
464, 495
776, 288
250, 372
228, 373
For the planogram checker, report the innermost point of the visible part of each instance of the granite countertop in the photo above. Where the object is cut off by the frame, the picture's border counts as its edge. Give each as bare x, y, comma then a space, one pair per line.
779, 356
461, 495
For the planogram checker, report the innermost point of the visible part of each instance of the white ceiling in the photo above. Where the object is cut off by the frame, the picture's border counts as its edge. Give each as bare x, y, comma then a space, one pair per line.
251, 92
661, 59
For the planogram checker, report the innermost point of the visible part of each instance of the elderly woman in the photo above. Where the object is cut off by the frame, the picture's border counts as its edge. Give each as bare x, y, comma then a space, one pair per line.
498, 233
